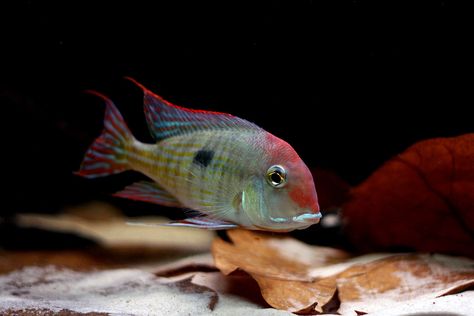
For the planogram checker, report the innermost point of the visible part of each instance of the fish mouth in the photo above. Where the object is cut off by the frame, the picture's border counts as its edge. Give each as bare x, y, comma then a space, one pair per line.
286, 224
311, 218
308, 218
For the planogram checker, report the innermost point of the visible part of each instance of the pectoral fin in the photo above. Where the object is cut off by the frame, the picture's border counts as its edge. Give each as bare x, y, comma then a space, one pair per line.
148, 192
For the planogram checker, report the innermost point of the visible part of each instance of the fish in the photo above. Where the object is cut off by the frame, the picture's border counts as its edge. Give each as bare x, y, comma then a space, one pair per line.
227, 170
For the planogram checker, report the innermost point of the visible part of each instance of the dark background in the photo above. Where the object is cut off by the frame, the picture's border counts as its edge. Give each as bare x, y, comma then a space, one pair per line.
378, 76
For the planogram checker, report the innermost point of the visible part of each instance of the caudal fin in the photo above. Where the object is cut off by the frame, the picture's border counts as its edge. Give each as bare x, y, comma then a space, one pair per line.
108, 154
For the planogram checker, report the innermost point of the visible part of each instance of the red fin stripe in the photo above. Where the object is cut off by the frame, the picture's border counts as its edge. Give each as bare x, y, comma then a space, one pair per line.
166, 119
108, 154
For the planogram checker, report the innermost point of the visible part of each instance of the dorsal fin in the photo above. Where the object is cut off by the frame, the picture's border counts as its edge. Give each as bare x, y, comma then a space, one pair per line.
166, 119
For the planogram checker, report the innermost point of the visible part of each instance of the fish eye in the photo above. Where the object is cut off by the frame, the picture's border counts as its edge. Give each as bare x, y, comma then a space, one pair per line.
276, 176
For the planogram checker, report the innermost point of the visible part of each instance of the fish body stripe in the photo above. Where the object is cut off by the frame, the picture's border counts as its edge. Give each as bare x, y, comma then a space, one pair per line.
171, 163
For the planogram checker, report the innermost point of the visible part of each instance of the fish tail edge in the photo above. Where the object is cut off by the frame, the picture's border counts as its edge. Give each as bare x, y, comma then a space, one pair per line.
108, 153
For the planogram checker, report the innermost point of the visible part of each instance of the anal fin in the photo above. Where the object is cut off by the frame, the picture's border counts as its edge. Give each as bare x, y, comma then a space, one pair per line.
148, 192
203, 222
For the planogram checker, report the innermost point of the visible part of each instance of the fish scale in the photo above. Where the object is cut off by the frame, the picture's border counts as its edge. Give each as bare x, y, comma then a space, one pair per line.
228, 169
174, 171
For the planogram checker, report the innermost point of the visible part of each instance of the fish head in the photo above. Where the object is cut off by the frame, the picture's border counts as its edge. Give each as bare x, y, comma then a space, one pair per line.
281, 196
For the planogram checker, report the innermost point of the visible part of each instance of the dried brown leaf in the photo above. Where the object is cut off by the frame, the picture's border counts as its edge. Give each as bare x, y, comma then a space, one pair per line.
257, 253
281, 266
297, 296
380, 284
304, 279
239, 285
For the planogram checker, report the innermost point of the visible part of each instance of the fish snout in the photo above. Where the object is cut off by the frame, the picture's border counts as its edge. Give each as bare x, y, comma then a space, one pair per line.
312, 218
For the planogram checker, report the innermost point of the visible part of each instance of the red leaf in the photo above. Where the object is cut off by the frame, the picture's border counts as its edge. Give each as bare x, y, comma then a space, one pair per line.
422, 199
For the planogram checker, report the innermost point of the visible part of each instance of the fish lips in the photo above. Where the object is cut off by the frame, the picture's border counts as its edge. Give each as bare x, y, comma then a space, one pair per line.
312, 218
301, 221
307, 219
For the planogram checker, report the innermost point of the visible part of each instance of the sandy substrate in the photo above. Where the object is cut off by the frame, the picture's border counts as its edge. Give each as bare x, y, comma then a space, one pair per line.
169, 271
141, 292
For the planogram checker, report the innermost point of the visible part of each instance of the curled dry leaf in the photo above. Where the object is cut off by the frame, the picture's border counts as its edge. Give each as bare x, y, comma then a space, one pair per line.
422, 199
281, 266
276, 256
305, 279
382, 284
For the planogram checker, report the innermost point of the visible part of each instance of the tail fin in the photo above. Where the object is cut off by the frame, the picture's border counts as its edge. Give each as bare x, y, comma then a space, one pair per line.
108, 154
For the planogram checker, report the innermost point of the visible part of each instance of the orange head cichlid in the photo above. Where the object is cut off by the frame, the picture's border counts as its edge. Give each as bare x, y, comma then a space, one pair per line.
231, 171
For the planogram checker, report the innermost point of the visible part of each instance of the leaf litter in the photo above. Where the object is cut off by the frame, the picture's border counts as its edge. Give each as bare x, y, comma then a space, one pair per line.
304, 286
